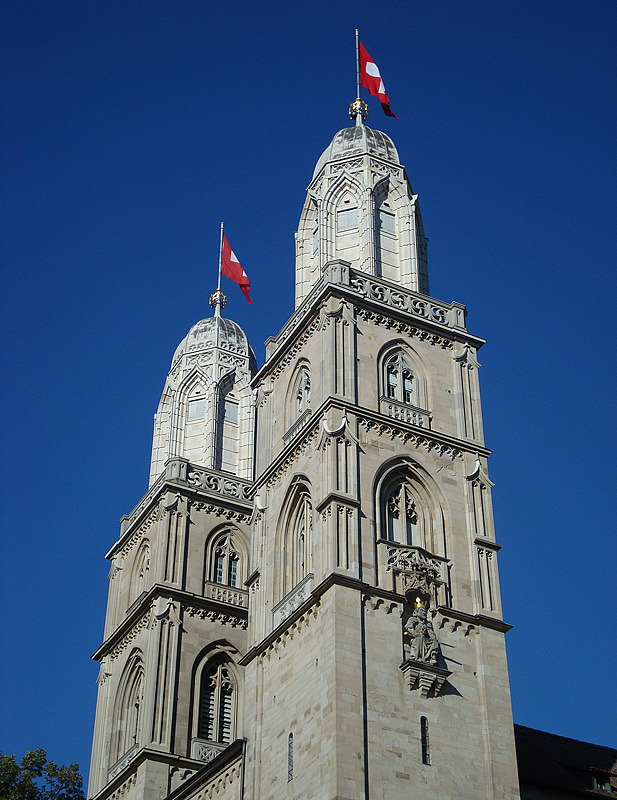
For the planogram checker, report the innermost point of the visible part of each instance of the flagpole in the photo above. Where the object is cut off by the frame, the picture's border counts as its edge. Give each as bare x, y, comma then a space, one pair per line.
357, 66
220, 258
218, 299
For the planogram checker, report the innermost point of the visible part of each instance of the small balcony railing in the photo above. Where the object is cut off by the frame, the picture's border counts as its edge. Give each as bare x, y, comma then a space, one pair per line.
226, 594
405, 413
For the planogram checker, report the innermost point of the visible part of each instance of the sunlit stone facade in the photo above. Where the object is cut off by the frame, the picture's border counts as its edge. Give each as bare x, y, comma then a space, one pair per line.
306, 602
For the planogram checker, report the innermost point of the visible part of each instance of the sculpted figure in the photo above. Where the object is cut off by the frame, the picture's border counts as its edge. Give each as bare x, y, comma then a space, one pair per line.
423, 645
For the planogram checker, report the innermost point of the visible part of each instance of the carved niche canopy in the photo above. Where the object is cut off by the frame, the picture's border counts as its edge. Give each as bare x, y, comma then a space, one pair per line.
419, 572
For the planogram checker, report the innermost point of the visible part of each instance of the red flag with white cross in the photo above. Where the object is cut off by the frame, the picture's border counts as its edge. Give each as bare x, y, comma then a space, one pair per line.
370, 78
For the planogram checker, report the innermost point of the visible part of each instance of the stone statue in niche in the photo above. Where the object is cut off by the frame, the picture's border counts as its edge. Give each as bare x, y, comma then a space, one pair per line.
420, 641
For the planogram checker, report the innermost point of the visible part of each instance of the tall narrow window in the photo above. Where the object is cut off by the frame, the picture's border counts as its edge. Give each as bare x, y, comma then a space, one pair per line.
402, 516
426, 750
217, 704
303, 393
290, 758
400, 380
226, 564
298, 541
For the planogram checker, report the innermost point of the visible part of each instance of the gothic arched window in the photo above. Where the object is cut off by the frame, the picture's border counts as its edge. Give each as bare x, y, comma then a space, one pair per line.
298, 541
225, 560
402, 515
217, 703
303, 392
139, 572
399, 380
127, 710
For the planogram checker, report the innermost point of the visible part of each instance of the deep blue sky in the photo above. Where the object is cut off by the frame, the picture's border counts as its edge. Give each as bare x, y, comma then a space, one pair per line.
130, 129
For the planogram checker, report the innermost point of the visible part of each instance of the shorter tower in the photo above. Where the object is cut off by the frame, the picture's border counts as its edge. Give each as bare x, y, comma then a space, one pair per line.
170, 686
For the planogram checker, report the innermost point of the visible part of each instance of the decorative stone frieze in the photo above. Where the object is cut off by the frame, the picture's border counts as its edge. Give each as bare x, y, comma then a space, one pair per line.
296, 627
216, 787
402, 327
205, 750
222, 617
417, 570
145, 500
125, 787
152, 517
143, 623
293, 599
401, 300
406, 436
303, 445
218, 511
213, 481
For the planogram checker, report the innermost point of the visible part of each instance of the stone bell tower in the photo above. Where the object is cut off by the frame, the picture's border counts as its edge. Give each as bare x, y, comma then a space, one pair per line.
305, 603
170, 686
376, 662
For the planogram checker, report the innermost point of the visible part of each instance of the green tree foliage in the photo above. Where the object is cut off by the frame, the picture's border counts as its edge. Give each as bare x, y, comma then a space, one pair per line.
36, 778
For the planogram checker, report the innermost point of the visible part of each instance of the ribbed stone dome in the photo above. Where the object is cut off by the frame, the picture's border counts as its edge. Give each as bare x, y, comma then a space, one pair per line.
212, 332
358, 141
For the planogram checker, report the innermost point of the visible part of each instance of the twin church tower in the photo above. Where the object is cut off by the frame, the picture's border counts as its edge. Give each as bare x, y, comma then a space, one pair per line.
305, 603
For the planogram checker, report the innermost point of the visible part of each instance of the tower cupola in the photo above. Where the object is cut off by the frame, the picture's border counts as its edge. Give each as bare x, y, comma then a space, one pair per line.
360, 208
206, 410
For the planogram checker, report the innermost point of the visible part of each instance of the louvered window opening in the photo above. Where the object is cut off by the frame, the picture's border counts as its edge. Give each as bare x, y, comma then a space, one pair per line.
402, 516
216, 707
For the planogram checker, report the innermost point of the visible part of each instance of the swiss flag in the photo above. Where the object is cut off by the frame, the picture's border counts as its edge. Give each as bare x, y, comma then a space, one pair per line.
370, 78
231, 268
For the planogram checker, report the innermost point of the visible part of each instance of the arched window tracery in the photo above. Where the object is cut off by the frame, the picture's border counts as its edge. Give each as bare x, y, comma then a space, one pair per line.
298, 543
400, 381
217, 703
402, 515
225, 560
128, 707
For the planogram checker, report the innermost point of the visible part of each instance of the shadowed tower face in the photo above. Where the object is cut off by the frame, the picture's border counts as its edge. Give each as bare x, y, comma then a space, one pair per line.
306, 602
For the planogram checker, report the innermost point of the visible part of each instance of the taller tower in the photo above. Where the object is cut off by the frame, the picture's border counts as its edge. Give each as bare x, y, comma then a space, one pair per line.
310, 607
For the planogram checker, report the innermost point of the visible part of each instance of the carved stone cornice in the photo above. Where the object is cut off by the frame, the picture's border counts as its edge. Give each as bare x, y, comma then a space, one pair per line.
431, 441
224, 495
157, 603
472, 620
372, 299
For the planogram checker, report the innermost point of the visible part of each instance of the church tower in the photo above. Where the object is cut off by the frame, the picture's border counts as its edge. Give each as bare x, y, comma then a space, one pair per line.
306, 602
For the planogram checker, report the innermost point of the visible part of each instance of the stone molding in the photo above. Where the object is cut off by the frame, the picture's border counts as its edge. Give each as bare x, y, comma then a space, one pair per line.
214, 482
369, 422
445, 323
122, 762
166, 604
293, 599
428, 678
